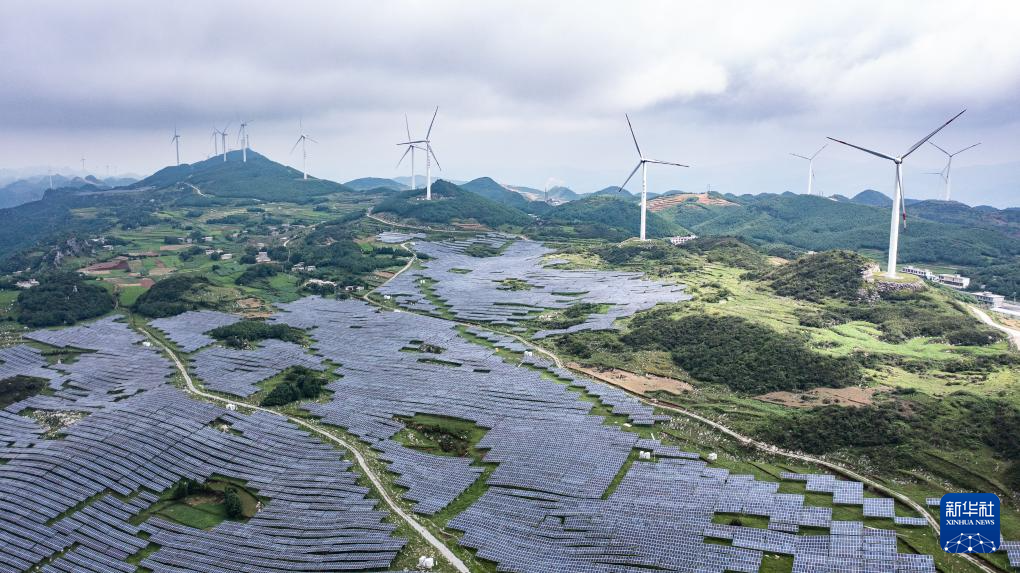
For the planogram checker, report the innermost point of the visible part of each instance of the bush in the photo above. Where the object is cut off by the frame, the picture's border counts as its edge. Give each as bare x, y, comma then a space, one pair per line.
242, 334
172, 296
299, 383
830, 428
232, 503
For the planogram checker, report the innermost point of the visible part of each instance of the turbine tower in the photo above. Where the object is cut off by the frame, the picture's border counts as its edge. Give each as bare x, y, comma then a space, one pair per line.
643, 166
83, 164
242, 138
898, 206
176, 140
811, 167
430, 156
949, 164
302, 139
216, 141
411, 147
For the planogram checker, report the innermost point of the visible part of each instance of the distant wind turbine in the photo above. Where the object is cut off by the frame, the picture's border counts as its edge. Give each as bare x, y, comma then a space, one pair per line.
216, 141
898, 206
224, 135
811, 167
643, 166
411, 148
430, 156
302, 139
83, 164
176, 140
949, 165
242, 138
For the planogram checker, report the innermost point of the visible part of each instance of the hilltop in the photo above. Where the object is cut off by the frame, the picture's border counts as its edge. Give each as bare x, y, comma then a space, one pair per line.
258, 178
490, 189
451, 204
601, 216
372, 183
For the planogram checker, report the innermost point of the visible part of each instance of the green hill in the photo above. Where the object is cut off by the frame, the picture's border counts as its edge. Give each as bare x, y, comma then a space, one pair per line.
563, 194
819, 276
599, 216
490, 189
618, 193
872, 198
258, 178
451, 204
371, 183
815, 223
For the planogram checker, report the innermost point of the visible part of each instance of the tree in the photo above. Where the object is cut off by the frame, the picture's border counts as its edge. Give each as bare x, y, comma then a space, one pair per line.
232, 503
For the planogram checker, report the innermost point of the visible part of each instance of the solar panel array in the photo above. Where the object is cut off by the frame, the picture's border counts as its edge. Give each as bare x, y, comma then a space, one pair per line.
478, 296
239, 372
187, 330
395, 237
545, 507
66, 504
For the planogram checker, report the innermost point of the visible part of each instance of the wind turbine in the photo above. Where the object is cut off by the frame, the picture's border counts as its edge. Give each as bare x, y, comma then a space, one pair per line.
242, 138
411, 147
949, 164
176, 140
811, 167
304, 153
224, 135
83, 164
898, 205
643, 166
216, 141
430, 156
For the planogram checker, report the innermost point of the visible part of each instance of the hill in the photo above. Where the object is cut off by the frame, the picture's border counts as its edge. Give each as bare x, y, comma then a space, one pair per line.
872, 198
816, 223
33, 188
258, 178
616, 192
370, 183
490, 189
601, 216
816, 277
451, 205
562, 194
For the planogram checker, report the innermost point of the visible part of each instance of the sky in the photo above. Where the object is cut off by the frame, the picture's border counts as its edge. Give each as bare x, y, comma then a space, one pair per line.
529, 92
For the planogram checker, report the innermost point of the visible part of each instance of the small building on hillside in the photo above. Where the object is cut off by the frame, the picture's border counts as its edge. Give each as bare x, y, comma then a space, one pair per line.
27, 284
954, 281
263, 257
925, 274
677, 241
991, 299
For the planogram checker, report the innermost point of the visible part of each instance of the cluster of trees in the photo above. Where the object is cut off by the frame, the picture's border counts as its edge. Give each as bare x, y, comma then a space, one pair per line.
299, 383
231, 499
173, 295
729, 251
62, 298
742, 355
17, 388
821, 276
258, 272
244, 333
830, 428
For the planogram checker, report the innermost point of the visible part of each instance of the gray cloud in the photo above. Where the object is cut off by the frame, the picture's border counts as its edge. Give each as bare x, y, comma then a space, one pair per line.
528, 90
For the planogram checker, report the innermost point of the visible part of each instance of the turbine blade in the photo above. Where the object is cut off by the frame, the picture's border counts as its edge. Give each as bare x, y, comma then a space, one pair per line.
931, 135
634, 137
433, 122
624, 186
408, 126
819, 151
433, 154
966, 148
666, 163
875, 153
296, 143
310, 139
801, 156
406, 151
940, 149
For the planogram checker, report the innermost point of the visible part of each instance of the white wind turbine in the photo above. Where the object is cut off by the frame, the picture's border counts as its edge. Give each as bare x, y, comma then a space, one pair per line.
811, 167
83, 164
411, 147
643, 166
949, 165
216, 141
223, 134
430, 156
242, 138
898, 206
302, 139
176, 140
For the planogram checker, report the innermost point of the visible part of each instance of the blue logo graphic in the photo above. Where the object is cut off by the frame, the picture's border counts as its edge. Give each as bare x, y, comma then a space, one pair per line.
970, 523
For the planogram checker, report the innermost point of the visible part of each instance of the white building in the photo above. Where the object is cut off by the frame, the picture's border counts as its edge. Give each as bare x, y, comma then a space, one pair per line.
263, 257
27, 284
954, 281
925, 274
681, 240
991, 299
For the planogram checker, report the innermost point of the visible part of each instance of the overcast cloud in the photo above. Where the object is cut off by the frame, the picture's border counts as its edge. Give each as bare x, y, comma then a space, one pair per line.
526, 90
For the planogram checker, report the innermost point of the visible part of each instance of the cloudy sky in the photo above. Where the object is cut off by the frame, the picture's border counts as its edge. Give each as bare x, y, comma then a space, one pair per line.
528, 92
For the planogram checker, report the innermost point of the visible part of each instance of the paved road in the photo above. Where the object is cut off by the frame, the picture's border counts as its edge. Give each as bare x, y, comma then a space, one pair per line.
1012, 333
362, 463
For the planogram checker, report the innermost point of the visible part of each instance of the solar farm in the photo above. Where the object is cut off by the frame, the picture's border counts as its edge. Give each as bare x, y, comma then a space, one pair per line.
562, 491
